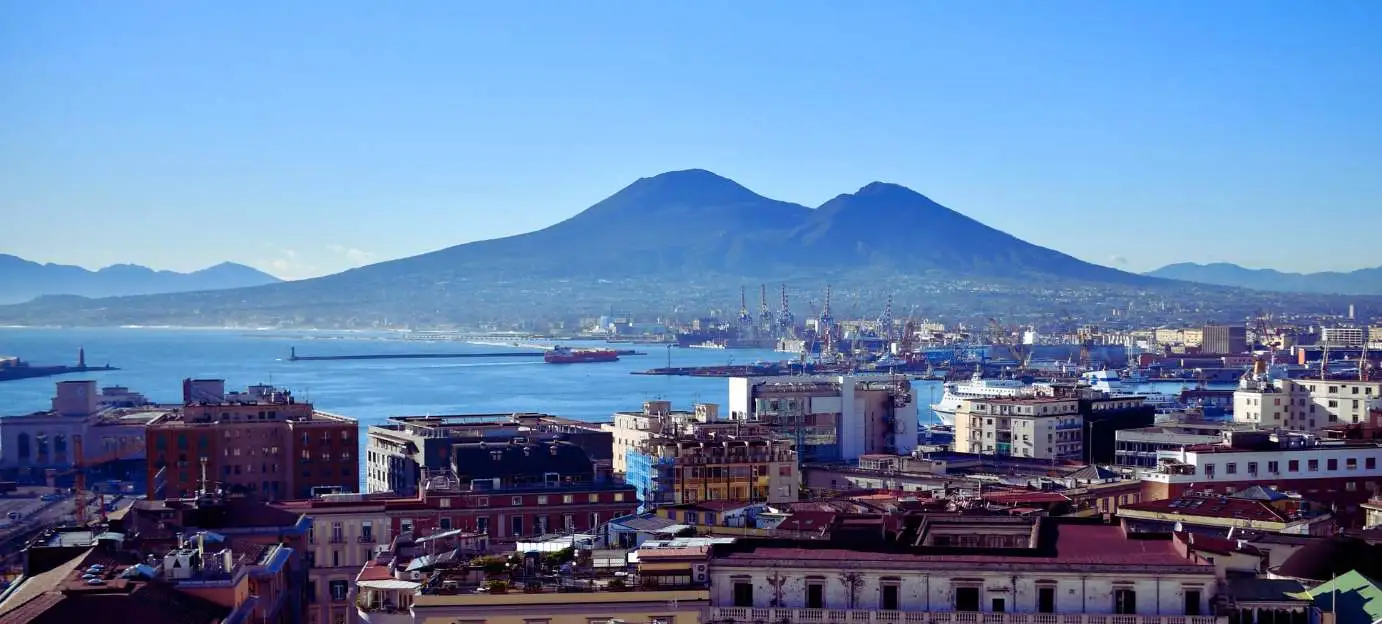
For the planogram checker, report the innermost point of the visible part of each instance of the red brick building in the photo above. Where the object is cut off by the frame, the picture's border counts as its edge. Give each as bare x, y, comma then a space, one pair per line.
261, 442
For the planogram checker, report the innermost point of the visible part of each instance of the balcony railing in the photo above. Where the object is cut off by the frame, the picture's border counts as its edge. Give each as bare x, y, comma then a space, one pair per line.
749, 615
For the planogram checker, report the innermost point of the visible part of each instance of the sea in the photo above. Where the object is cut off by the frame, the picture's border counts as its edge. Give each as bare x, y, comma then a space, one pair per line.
154, 361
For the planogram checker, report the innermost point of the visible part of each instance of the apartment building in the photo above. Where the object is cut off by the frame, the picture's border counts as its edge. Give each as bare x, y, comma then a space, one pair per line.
1306, 404
513, 490
106, 423
261, 442
1343, 473
831, 418
1140, 447
1041, 428
952, 569
399, 451
631, 430
678, 469
345, 531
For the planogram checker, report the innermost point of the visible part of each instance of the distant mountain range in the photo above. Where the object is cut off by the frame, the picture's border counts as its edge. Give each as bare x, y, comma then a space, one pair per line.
1360, 282
22, 280
679, 240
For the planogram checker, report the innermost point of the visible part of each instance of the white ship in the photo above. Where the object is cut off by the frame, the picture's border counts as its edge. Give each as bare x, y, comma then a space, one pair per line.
1108, 381
709, 344
977, 388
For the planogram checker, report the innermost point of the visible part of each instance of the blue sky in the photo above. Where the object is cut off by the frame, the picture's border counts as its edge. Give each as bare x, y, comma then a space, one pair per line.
308, 137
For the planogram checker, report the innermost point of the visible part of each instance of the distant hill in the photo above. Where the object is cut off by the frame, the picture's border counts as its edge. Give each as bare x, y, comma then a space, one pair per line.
658, 244
1360, 282
22, 280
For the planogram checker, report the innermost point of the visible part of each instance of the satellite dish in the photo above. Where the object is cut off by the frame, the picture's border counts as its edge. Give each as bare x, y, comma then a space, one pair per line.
1179, 528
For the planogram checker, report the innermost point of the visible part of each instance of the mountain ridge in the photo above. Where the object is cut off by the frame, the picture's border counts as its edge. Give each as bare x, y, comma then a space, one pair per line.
23, 280
1367, 281
679, 233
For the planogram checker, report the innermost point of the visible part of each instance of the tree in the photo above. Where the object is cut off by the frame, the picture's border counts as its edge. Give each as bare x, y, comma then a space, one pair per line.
852, 581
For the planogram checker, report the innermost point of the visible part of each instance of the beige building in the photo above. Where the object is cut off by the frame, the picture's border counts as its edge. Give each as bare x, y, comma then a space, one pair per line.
632, 430
1305, 404
634, 607
1044, 428
346, 528
1189, 336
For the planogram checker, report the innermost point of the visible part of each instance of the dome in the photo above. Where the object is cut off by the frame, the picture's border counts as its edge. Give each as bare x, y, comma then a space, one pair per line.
1327, 558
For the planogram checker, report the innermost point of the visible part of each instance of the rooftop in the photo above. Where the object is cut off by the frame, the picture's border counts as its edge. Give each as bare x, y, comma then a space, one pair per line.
1242, 508
99, 586
1063, 543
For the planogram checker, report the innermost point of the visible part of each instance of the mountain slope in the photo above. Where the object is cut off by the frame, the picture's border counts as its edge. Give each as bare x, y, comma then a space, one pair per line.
659, 243
22, 280
1360, 282
891, 225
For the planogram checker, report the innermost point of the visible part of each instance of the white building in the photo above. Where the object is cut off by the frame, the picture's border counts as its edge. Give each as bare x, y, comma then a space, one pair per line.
1043, 428
1343, 336
832, 417
1305, 404
947, 569
109, 423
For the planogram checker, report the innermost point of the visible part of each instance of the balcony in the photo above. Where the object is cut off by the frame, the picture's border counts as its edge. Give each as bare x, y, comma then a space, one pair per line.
862, 616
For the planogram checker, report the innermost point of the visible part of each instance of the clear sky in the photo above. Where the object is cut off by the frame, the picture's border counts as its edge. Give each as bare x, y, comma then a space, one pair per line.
308, 137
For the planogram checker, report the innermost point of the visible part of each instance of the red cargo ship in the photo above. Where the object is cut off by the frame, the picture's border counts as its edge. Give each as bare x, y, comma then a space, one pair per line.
567, 355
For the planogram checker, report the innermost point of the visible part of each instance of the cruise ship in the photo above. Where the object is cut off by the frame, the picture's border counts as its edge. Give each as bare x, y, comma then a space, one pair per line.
977, 388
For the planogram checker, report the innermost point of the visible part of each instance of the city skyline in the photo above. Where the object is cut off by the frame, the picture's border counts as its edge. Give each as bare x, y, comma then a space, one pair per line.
304, 143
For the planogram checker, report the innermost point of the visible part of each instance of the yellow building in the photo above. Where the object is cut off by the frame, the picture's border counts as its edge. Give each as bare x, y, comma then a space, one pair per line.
685, 469
631, 607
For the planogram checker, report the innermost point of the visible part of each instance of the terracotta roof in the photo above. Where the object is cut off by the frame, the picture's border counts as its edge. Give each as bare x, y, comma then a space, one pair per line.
808, 521
1212, 507
374, 571
1071, 544
1328, 558
1218, 545
119, 600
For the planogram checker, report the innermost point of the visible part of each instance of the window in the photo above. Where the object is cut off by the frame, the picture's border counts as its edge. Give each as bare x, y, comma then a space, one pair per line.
815, 595
1351, 463
966, 598
618, 497
444, 524
542, 499
1370, 463
339, 589
999, 605
1209, 470
1231, 468
367, 531
482, 525
1252, 468
1332, 464
336, 535
743, 594
1313, 465
594, 498
1293, 465
1124, 601
1192, 602
888, 601
1046, 599
517, 525
405, 525
516, 501
1273, 467
568, 499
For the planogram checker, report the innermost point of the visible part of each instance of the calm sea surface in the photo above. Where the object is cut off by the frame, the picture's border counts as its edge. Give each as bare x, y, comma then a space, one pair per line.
154, 361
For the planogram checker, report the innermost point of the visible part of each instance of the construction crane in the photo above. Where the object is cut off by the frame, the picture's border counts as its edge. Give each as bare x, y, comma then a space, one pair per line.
885, 324
765, 316
785, 322
80, 465
744, 319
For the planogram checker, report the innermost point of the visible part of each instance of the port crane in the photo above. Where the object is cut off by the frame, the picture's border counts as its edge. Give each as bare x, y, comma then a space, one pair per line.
785, 322
81, 465
765, 316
